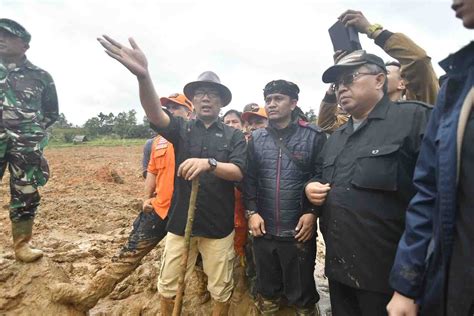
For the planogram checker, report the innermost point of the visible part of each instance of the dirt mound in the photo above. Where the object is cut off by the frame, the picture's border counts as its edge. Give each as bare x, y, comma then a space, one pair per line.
27, 292
108, 174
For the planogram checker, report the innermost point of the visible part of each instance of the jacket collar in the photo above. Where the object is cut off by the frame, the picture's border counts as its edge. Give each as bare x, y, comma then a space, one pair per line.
459, 62
380, 110
24, 63
283, 131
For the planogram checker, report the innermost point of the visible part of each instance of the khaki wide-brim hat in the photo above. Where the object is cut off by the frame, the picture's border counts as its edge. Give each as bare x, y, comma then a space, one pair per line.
208, 79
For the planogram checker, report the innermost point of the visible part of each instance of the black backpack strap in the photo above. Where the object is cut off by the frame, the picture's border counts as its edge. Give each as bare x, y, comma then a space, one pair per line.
285, 150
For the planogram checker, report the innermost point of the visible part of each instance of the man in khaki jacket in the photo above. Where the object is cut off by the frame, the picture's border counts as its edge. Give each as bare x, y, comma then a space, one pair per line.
410, 77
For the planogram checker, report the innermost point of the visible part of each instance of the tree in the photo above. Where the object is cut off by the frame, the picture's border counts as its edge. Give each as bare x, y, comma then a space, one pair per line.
93, 126
61, 122
312, 117
124, 124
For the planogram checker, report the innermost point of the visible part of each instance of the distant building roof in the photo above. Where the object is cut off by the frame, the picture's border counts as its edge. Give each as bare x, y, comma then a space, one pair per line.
80, 139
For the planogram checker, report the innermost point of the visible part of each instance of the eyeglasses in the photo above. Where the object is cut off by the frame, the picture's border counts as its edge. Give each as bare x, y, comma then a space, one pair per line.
212, 94
348, 79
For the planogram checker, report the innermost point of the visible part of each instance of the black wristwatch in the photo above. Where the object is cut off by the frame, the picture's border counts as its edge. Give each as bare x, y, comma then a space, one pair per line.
249, 213
213, 163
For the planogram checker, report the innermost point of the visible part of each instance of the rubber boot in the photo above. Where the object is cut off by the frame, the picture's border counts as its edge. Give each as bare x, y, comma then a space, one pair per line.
268, 307
103, 283
22, 232
203, 294
166, 306
309, 311
220, 308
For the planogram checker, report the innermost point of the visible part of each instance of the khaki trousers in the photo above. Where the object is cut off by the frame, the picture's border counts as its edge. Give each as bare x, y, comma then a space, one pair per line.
217, 258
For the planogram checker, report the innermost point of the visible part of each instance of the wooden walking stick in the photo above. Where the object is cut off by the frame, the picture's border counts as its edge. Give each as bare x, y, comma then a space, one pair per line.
187, 241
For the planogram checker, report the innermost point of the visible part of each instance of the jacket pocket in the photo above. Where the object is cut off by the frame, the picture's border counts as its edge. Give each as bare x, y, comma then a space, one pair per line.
29, 92
376, 168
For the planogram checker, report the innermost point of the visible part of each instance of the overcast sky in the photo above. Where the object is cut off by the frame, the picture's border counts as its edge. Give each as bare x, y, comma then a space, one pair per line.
247, 43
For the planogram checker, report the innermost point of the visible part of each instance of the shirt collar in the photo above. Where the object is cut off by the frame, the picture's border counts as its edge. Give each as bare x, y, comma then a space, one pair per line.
217, 123
28, 64
460, 61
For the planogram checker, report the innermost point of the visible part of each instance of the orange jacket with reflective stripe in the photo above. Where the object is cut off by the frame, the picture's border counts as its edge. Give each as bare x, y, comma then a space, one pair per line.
162, 164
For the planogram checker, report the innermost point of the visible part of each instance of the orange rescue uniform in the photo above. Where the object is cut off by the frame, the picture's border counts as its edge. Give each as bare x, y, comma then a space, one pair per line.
162, 165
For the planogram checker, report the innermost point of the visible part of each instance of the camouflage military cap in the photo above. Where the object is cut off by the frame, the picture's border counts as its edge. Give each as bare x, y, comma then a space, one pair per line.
16, 29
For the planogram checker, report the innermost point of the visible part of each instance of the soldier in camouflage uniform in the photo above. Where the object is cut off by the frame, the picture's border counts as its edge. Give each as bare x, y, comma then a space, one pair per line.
28, 105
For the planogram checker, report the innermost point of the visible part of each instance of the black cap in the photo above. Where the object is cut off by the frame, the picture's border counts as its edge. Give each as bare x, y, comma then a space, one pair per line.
356, 58
282, 86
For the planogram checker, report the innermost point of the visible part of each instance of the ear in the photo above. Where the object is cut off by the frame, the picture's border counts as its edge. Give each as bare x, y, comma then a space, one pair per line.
401, 85
380, 81
293, 103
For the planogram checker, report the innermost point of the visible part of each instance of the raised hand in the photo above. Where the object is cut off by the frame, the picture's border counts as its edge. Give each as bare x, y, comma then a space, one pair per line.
132, 58
355, 19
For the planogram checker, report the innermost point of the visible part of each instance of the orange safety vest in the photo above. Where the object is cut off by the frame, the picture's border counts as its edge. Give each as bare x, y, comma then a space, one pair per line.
162, 164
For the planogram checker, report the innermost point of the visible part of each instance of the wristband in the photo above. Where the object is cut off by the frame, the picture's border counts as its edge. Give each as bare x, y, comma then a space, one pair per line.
372, 29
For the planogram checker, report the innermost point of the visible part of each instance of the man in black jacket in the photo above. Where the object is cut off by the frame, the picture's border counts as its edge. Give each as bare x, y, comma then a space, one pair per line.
206, 148
281, 159
365, 184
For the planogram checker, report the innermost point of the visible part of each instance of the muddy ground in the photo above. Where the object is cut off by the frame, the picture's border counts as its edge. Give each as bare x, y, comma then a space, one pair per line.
86, 214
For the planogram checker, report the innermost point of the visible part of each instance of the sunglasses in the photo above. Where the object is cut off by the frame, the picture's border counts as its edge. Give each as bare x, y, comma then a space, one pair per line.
348, 79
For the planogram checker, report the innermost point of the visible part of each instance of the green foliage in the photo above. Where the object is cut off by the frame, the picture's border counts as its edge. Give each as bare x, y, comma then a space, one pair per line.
312, 117
102, 129
103, 141
61, 122
122, 125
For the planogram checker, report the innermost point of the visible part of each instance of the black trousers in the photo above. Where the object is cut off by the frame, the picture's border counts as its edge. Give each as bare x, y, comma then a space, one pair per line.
349, 301
285, 268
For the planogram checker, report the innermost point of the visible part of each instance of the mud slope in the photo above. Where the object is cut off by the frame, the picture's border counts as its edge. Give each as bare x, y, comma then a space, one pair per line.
86, 215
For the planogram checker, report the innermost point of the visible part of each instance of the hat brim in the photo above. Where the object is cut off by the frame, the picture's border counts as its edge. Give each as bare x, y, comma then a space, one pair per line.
247, 115
225, 93
331, 74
